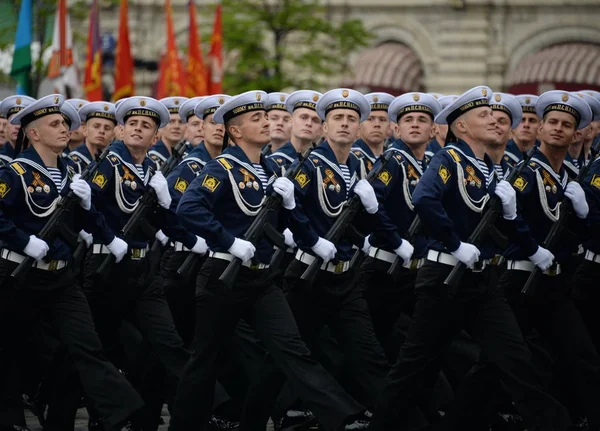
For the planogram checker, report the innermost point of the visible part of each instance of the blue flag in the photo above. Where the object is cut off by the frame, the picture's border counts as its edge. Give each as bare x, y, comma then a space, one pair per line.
21, 65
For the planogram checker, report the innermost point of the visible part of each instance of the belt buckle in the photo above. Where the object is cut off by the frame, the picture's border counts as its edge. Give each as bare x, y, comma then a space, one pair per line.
479, 266
496, 260
254, 266
136, 253
53, 265
414, 264
338, 268
552, 271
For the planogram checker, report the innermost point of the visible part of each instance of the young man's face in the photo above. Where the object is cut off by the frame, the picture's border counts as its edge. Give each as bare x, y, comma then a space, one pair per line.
376, 128
99, 131
213, 132
173, 132
502, 131
280, 125
139, 132
415, 128
194, 131
527, 130
306, 125
341, 126
557, 129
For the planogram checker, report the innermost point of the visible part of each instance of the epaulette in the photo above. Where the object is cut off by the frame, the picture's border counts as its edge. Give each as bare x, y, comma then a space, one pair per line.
18, 168
454, 154
154, 157
358, 154
225, 163
194, 166
533, 165
114, 160
74, 157
315, 161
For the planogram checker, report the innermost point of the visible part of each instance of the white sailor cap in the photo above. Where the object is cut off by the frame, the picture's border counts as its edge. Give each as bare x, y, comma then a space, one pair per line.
343, 98
379, 101
276, 101
249, 101
70, 115
77, 103
186, 110
303, 99
508, 104
446, 100
438, 96
145, 107
173, 103
210, 104
563, 101
527, 102
476, 97
104, 110
13, 104
593, 102
595, 94
39, 108
414, 102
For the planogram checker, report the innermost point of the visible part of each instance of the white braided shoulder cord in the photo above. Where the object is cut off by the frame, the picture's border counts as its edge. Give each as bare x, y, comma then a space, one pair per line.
47, 210
462, 188
405, 186
120, 196
247, 208
324, 201
552, 213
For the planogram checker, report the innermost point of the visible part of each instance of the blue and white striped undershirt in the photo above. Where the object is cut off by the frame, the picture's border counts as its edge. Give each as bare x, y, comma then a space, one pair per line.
346, 175
261, 175
140, 170
56, 177
484, 168
499, 172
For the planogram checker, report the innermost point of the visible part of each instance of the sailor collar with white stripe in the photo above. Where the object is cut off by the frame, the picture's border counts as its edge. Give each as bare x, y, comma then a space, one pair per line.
160, 150
326, 154
31, 158
119, 149
287, 151
402, 148
463, 148
364, 148
199, 154
237, 155
82, 152
562, 177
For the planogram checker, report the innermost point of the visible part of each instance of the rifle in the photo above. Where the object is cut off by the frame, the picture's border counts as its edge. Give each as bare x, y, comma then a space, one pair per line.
342, 222
557, 228
261, 225
147, 202
486, 223
55, 225
413, 230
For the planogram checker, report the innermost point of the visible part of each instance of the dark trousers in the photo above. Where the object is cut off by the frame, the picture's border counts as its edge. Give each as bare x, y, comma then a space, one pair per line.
121, 296
333, 300
52, 296
263, 306
483, 310
587, 278
551, 313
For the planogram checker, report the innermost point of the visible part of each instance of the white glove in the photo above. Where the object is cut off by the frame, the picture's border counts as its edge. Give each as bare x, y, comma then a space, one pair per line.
508, 196
242, 249
36, 248
367, 245
543, 258
365, 192
577, 197
82, 190
118, 248
200, 247
405, 251
88, 238
467, 254
284, 188
324, 249
289, 238
161, 237
159, 183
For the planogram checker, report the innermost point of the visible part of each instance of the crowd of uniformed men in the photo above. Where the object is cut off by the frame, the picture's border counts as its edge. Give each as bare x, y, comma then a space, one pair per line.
379, 338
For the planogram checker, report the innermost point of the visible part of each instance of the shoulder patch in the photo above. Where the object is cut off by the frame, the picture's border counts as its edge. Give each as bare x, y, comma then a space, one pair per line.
358, 154
444, 173
454, 155
154, 157
302, 179
315, 161
74, 157
99, 180
181, 185
225, 163
18, 168
4, 189
210, 183
520, 183
385, 177
595, 181
114, 160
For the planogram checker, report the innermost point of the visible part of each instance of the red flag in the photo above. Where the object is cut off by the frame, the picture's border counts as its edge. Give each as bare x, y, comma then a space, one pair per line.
196, 72
124, 86
93, 63
215, 83
172, 76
